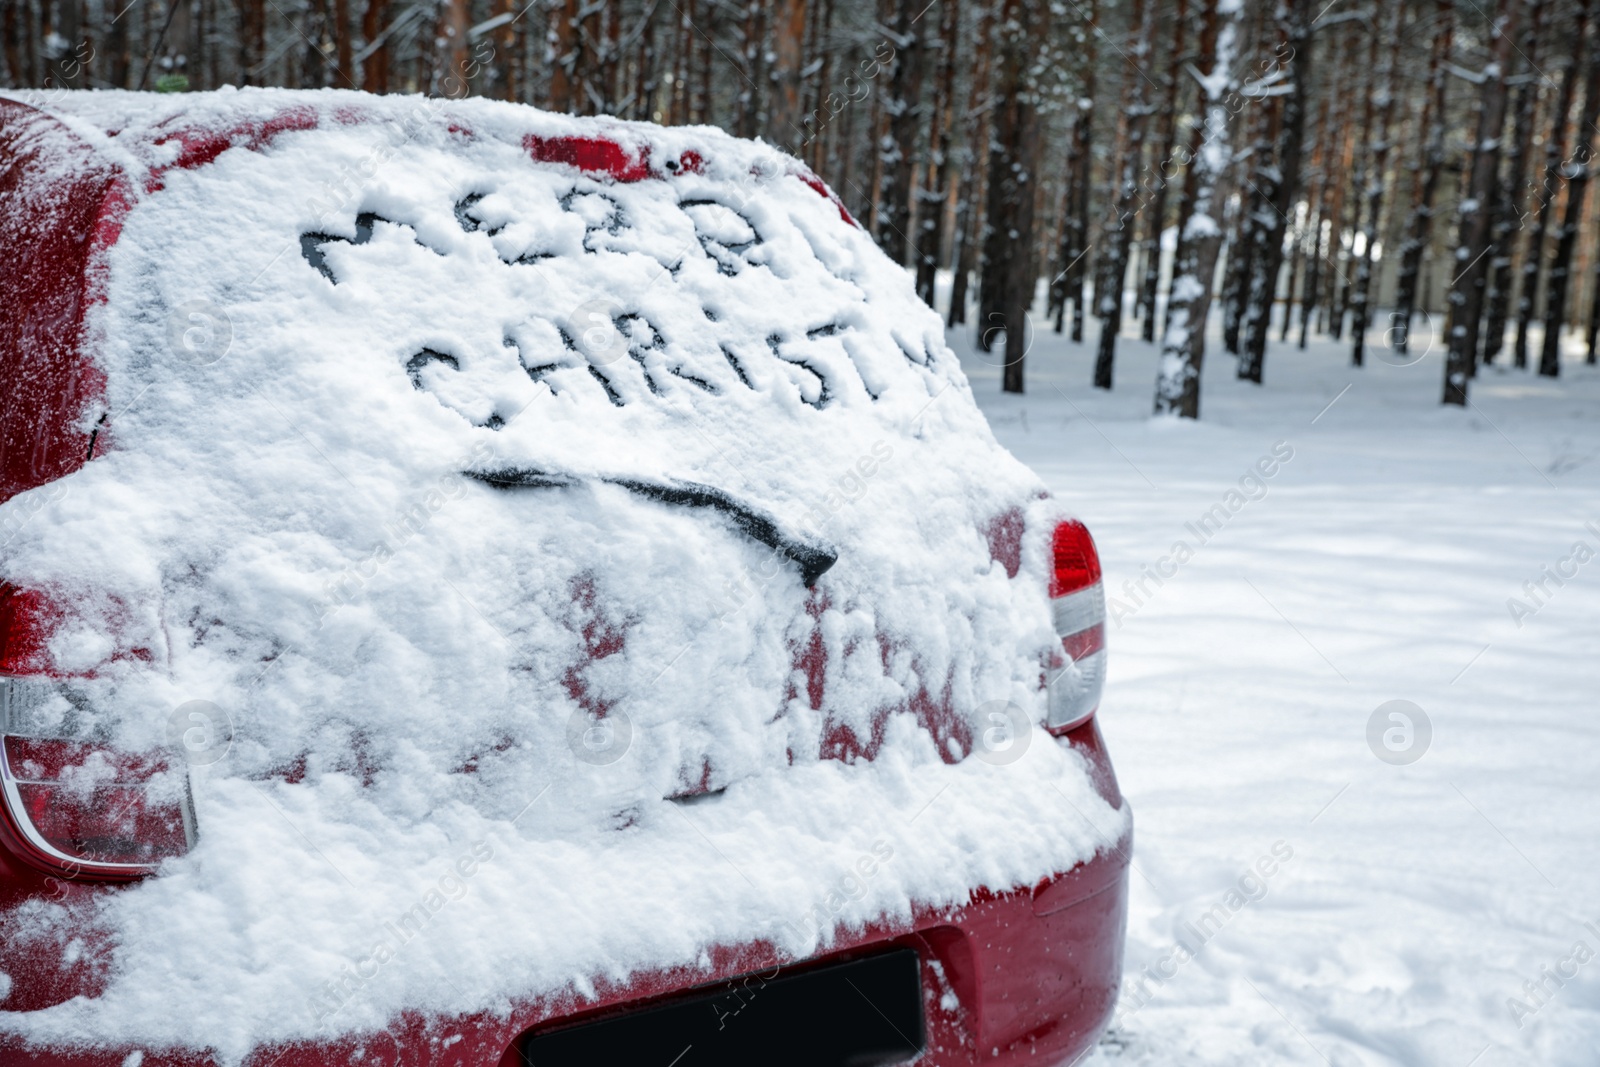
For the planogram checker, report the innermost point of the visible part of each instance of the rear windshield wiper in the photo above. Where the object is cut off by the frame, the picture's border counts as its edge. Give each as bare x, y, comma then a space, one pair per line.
812, 557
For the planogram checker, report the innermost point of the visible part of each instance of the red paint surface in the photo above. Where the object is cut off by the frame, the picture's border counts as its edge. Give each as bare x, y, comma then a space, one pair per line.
60, 208
27, 619
592, 155
199, 145
1004, 534
822, 190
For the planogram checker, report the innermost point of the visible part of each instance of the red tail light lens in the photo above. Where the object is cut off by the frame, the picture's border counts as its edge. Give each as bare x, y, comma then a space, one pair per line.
80, 808
1077, 564
1078, 602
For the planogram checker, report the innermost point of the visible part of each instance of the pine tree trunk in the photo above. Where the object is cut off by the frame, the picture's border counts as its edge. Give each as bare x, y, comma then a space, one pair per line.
1162, 173
1576, 170
1377, 175
969, 196
29, 36
375, 67
1136, 109
1236, 277
1056, 297
116, 48
11, 38
783, 121
1508, 209
564, 61
1311, 287
745, 103
66, 65
1331, 144
344, 55
818, 88
1306, 243
1296, 247
1006, 291
1425, 180
175, 51
901, 96
1594, 317
1554, 153
454, 21
1350, 200
1283, 184
1076, 250
878, 125
1183, 345
1466, 295
939, 173
1333, 325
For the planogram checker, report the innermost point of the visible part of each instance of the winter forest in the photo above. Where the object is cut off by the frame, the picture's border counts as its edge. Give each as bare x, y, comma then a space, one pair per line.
1343, 169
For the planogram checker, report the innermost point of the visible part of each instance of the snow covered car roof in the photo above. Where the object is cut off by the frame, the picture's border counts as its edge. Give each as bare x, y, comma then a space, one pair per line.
498, 475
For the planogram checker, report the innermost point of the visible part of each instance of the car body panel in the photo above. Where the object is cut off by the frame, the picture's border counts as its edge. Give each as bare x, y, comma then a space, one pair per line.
1011, 975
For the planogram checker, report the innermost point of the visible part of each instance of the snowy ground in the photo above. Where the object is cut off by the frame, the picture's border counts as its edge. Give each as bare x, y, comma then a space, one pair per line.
1418, 898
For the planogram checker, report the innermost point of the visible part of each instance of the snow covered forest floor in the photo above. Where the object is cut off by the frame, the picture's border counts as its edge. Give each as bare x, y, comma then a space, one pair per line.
1417, 899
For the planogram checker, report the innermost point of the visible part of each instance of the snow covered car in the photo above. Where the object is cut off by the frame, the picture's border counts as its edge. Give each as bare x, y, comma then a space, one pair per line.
485, 587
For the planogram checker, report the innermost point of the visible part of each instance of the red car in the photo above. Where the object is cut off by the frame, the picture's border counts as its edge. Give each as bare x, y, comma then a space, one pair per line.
364, 461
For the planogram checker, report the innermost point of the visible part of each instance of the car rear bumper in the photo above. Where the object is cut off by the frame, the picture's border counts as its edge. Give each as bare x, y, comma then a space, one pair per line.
1011, 978
1024, 976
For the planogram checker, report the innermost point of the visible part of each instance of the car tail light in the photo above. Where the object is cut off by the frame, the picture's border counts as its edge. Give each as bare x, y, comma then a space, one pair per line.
1078, 604
70, 803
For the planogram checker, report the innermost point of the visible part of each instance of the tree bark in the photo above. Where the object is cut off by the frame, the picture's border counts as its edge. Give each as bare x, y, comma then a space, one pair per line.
375, 67
1162, 173
454, 20
1074, 266
1283, 185
1594, 317
1425, 179
1576, 171
344, 56
116, 50
1296, 249
1136, 109
971, 194
1336, 216
783, 113
1183, 345
1377, 176
564, 58
1512, 194
1350, 199
66, 59
938, 174
1554, 153
1466, 295
1330, 173
901, 95
1013, 164
1236, 276
11, 38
